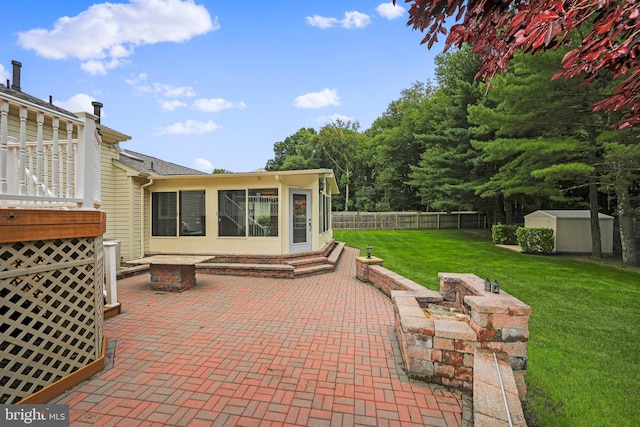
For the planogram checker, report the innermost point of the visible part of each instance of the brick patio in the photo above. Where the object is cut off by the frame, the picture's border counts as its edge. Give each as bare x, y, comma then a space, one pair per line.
313, 351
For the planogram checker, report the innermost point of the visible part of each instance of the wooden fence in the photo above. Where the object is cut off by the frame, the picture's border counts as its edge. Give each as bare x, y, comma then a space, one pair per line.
407, 220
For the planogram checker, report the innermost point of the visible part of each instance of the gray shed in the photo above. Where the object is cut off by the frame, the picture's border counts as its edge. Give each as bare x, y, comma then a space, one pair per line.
572, 229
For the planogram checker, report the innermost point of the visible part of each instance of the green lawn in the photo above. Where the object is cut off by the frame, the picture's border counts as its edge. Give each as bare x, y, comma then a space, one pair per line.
584, 345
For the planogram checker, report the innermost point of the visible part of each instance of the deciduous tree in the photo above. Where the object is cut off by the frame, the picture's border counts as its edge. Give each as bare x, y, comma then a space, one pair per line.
497, 29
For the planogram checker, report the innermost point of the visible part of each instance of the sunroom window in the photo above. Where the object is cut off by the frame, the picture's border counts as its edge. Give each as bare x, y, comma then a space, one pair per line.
232, 217
248, 213
263, 212
168, 218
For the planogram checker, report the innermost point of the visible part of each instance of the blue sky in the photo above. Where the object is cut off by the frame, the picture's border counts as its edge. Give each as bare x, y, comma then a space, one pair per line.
214, 84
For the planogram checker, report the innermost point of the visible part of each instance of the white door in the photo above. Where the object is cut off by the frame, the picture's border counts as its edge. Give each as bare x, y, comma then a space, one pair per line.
300, 220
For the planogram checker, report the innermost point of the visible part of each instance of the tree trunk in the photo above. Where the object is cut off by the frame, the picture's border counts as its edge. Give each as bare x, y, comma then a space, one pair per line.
498, 209
508, 207
596, 244
346, 193
627, 235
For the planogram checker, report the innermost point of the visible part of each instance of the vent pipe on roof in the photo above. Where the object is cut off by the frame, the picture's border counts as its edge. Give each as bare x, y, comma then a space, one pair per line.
97, 107
16, 75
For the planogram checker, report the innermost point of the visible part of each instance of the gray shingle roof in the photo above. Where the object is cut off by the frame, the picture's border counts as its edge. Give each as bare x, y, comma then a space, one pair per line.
154, 165
32, 99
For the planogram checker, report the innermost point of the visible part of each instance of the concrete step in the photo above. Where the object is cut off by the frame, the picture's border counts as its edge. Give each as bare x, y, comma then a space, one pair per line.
245, 269
312, 270
334, 256
307, 262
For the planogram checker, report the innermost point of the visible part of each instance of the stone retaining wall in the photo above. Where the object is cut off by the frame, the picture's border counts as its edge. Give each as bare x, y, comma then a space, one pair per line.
441, 333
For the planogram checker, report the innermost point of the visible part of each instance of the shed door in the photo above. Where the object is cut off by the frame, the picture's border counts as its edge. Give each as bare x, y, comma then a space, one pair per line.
300, 220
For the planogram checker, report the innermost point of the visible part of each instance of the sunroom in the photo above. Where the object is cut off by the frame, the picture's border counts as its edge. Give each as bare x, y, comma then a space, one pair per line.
257, 213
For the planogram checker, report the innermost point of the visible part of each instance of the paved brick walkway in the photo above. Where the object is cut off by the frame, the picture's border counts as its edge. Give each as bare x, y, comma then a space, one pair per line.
316, 351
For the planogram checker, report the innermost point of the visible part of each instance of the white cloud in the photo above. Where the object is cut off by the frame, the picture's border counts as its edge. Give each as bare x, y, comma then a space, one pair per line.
78, 103
318, 99
106, 33
169, 91
351, 19
166, 95
136, 79
355, 20
94, 68
189, 127
203, 164
390, 11
321, 21
172, 105
160, 90
4, 74
211, 105
333, 118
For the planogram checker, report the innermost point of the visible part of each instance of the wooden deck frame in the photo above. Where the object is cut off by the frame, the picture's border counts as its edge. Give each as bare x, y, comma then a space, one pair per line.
26, 225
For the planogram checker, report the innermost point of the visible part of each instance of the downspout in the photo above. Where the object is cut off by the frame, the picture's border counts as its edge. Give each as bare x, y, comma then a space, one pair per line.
284, 247
142, 213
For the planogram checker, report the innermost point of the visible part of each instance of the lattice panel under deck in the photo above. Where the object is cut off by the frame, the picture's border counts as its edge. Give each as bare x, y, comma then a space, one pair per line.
51, 310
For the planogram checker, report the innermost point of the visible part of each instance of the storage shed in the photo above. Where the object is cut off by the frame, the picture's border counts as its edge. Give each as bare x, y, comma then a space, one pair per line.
572, 229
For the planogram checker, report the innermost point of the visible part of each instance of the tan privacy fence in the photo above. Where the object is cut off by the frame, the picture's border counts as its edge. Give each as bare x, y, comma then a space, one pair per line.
407, 220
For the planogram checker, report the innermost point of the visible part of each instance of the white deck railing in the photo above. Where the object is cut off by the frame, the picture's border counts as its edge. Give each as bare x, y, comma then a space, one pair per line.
47, 158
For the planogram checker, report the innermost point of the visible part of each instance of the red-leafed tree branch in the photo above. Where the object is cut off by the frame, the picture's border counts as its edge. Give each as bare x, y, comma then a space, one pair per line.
496, 29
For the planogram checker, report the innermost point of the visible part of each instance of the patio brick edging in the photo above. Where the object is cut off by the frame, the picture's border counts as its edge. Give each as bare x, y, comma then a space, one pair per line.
441, 348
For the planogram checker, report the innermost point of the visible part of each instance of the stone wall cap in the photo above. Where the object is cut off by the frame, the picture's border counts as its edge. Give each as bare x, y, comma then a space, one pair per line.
372, 260
457, 277
454, 329
417, 324
497, 303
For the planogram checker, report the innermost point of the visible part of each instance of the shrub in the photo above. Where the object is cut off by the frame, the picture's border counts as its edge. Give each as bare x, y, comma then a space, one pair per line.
502, 234
536, 240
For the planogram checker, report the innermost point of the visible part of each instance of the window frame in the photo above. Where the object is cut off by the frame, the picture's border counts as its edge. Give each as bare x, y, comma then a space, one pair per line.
164, 212
250, 224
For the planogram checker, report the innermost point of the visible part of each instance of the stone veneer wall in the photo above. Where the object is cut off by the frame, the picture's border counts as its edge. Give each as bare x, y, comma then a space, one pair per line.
441, 346
500, 321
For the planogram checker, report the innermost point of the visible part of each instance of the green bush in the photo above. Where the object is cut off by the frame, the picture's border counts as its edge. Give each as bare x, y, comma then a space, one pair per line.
536, 240
502, 234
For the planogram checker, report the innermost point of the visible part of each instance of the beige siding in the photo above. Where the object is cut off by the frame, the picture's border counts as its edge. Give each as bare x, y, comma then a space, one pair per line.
122, 224
13, 127
136, 228
108, 152
121, 202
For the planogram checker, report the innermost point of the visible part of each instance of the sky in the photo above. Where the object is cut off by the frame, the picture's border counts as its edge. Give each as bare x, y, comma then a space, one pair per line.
215, 83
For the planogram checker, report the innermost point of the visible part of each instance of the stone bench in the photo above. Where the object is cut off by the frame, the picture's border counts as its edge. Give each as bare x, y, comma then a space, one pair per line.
172, 273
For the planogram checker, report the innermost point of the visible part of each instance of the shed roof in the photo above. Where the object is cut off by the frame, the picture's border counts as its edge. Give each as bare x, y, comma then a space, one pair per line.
567, 213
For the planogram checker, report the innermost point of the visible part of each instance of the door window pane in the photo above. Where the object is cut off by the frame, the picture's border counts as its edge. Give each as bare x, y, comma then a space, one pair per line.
299, 218
164, 212
232, 213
